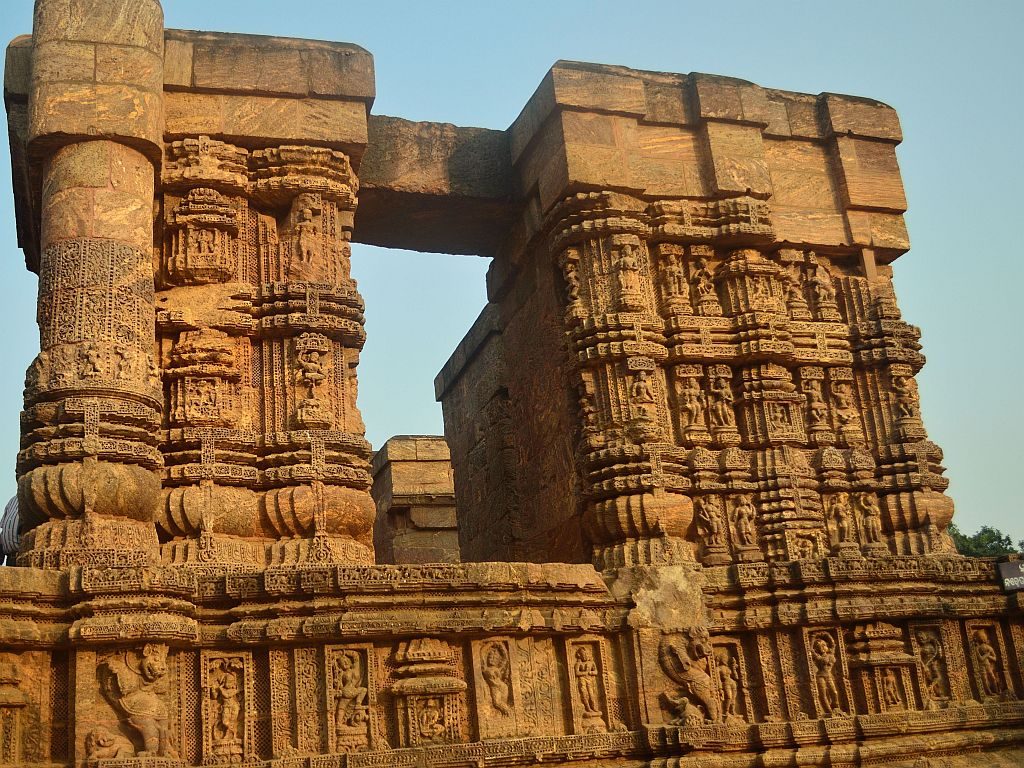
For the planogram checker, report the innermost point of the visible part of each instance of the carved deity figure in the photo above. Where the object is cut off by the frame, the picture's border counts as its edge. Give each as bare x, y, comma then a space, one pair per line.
691, 399
226, 692
311, 369
306, 236
817, 408
709, 520
988, 663
349, 692
891, 688
627, 272
842, 514
684, 658
721, 403
92, 362
674, 278
795, 286
744, 514
585, 669
933, 666
641, 395
204, 242
822, 285
571, 274
842, 391
702, 280
136, 684
905, 392
728, 671
496, 674
761, 295
823, 654
430, 719
871, 519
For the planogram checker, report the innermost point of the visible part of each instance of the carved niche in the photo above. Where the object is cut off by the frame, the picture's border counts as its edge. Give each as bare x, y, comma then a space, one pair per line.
202, 242
12, 705
587, 662
351, 692
227, 684
204, 379
429, 694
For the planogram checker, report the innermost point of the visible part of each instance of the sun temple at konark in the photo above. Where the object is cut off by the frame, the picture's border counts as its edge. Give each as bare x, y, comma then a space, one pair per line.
685, 512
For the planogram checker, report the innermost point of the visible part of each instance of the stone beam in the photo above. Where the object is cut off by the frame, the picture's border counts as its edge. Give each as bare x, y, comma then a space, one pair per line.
435, 187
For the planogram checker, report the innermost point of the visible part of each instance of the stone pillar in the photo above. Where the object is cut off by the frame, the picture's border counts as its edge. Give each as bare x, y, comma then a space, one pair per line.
88, 486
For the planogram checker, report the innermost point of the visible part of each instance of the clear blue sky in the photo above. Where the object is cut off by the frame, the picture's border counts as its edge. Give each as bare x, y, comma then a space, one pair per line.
953, 71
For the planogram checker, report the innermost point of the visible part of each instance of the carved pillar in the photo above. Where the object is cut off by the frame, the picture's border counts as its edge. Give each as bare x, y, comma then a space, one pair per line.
616, 344
88, 486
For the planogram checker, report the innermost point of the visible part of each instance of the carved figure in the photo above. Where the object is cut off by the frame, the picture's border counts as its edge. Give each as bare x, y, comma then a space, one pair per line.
722, 400
817, 408
823, 654
871, 519
842, 514
822, 285
709, 519
226, 691
728, 679
684, 658
92, 362
988, 663
103, 744
585, 669
890, 688
641, 394
306, 239
627, 273
311, 370
431, 719
349, 693
674, 278
744, 514
572, 281
203, 242
907, 402
702, 280
843, 394
691, 398
933, 666
136, 685
495, 671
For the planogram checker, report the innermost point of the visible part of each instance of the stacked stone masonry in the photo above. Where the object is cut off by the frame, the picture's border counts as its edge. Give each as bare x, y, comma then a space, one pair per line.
699, 520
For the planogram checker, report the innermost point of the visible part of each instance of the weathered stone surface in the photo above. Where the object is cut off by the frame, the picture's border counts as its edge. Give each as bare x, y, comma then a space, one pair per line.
415, 498
689, 404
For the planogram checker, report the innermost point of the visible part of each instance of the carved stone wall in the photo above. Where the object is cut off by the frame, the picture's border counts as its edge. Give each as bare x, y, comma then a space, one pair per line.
692, 374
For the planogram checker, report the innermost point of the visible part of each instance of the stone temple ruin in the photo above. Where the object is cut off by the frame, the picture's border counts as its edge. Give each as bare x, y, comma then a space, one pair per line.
699, 520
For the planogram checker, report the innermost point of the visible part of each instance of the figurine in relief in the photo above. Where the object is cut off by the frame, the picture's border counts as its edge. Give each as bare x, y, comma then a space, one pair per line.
722, 400
306, 236
843, 516
350, 693
431, 719
871, 519
988, 663
571, 274
225, 690
136, 685
685, 660
823, 654
744, 514
585, 669
495, 671
103, 744
891, 689
641, 394
728, 671
709, 520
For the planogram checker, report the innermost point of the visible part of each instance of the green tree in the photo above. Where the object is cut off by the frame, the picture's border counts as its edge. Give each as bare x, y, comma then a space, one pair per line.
987, 542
